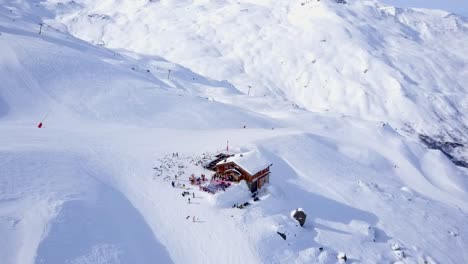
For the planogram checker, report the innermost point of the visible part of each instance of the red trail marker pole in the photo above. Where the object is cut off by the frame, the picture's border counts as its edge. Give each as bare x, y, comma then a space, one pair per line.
40, 123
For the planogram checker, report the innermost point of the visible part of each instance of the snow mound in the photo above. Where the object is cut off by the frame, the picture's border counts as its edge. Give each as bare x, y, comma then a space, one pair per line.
235, 194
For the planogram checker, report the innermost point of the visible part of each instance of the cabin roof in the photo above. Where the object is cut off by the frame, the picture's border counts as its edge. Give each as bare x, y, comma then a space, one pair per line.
251, 161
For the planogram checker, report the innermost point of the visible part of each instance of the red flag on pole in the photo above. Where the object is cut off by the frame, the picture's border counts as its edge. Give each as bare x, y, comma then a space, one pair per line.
40, 123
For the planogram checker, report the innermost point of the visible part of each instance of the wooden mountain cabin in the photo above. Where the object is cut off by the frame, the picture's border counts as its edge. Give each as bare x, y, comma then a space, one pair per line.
250, 166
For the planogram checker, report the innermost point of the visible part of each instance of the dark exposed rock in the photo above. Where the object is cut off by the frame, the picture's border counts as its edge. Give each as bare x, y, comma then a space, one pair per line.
99, 16
445, 147
282, 235
300, 216
342, 256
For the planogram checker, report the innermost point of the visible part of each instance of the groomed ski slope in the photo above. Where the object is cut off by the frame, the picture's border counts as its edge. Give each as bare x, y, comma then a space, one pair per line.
83, 190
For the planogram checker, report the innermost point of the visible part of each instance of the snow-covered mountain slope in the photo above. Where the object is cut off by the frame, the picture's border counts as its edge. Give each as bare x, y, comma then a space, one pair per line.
82, 82
83, 189
363, 59
454, 6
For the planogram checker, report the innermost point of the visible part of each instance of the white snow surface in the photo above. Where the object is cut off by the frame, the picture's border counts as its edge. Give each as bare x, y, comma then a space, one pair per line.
94, 184
363, 59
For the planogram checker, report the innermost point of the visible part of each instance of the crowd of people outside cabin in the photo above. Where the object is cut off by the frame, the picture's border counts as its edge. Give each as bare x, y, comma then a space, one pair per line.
216, 183
197, 180
222, 178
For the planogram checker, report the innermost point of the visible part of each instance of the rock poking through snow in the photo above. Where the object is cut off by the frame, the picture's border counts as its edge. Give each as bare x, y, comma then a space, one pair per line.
283, 235
342, 257
299, 216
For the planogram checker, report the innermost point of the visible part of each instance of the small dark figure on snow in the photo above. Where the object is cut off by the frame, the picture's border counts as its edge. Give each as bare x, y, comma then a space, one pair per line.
342, 256
193, 195
173, 184
188, 200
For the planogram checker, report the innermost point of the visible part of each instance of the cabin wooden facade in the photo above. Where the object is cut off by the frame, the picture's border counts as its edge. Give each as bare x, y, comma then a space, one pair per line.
235, 171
